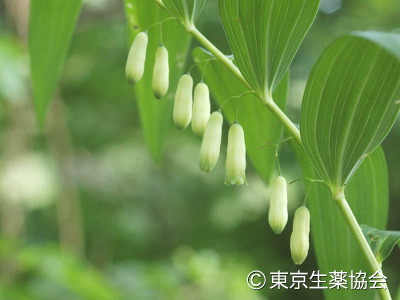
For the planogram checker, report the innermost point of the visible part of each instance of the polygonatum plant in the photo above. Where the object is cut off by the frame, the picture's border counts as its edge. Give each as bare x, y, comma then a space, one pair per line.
349, 107
350, 104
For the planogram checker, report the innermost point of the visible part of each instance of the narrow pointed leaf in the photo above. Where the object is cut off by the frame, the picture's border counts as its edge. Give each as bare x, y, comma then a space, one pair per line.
381, 242
51, 25
187, 11
259, 124
156, 115
333, 243
265, 35
349, 104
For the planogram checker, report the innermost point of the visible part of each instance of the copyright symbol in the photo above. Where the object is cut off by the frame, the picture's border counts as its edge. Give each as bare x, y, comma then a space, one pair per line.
256, 284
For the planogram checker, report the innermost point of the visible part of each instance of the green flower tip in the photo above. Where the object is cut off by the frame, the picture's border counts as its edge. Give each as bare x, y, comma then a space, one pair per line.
239, 180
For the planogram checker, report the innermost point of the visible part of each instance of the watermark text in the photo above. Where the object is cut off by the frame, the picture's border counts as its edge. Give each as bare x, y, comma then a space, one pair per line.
354, 280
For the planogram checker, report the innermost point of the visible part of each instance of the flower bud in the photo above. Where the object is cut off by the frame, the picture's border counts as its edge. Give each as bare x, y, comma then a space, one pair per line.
161, 73
201, 109
235, 172
278, 214
211, 144
183, 102
299, 240
136, 58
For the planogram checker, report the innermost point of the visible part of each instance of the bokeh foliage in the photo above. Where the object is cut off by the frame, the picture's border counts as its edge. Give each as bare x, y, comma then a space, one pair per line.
151, 231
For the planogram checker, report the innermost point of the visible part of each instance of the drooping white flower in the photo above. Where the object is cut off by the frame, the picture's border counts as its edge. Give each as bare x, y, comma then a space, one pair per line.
278, 214
161, 73
201, 109
183, 103
300, 238
235, 172
134, 68
211, 144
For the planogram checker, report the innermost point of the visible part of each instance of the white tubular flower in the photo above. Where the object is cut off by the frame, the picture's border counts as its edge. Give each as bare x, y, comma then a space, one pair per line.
235, 172
278, 214
211, 144
300, 238
136, 58
161, 73
201, 109
183, 103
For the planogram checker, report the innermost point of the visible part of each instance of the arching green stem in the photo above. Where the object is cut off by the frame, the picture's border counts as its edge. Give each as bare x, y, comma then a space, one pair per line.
269, 103
355, 229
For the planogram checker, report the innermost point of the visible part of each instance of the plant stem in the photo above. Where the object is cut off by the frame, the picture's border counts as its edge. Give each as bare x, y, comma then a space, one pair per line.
218, 54
269, 103
289, 126
352, 223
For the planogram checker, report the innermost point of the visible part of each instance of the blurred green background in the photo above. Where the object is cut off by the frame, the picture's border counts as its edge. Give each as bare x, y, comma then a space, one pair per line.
85, 213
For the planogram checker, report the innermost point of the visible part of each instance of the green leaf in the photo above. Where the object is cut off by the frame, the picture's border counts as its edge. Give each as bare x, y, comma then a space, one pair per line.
156, 115
265, 35
259, 124
381, 242
349, 103
186, 11
51, 25
333, 243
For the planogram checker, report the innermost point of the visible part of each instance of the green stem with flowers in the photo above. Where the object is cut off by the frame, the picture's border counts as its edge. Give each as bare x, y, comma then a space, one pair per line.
293, 131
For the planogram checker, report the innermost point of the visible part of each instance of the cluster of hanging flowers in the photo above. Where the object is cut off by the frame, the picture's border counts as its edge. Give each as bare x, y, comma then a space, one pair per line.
278, 217
193, 106
209, 127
